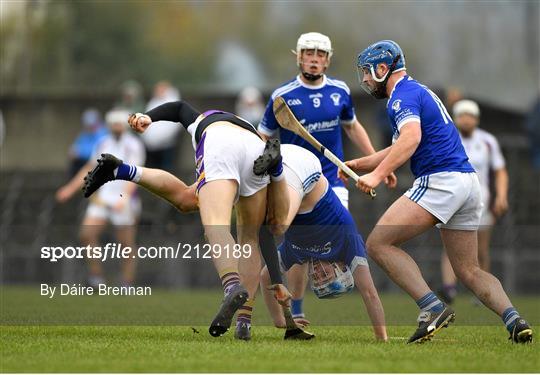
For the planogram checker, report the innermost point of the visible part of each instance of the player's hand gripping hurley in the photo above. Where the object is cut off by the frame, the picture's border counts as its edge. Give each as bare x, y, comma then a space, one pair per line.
287, 120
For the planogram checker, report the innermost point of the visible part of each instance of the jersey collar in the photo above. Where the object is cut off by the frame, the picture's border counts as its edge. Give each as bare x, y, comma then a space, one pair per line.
395, 86
311, 87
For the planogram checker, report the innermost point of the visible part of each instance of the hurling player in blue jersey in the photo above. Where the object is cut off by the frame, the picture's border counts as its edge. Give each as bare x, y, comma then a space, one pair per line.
324, 106
446, 193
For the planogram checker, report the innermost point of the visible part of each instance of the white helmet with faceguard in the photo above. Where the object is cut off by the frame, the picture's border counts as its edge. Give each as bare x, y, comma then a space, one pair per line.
329, 279
313, 41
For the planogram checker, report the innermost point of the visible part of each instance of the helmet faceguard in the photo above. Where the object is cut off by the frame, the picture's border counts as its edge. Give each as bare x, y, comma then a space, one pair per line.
313, 41
329, 279
387, 52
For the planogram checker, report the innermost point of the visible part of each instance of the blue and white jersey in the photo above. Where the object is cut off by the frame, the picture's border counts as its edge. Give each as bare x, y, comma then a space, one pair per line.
440, 149
321, 110
328, 232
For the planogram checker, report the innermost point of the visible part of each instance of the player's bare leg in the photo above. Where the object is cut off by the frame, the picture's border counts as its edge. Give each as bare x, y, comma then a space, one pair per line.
170, 188
90, 232
250, 213
125, 234
404, 220
216, 199
449, 280
374, 307
484, 238
157, 181
462, 251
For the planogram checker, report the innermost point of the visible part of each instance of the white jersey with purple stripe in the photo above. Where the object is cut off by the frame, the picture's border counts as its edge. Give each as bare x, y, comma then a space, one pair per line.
321, 110
440, 149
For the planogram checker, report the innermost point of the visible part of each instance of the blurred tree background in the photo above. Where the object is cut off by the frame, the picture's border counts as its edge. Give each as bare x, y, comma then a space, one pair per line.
487, 48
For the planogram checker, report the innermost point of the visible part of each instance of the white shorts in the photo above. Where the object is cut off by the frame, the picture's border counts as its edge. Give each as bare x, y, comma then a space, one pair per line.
452, 197
227, 153
487, 218
343, 195
128, 216
301, 168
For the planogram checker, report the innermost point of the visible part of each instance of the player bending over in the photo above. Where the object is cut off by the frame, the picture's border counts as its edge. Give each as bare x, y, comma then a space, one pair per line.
225, 147
446, 193
310, 198
317, 228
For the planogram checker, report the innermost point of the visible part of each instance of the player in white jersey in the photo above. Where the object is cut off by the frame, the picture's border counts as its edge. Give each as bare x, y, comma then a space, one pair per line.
117, 203
446, 193
487, 159
313, 207
324, 107
225, 149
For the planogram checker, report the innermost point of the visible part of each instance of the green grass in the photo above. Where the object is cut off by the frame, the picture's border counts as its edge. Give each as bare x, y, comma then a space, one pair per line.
31, 342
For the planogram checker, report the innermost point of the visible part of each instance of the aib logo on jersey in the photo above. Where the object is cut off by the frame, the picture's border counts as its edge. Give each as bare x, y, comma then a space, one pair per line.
292, 102
335, 98
396, 106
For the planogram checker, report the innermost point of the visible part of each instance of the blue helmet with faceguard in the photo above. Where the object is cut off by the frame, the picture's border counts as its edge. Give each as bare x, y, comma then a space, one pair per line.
383, 52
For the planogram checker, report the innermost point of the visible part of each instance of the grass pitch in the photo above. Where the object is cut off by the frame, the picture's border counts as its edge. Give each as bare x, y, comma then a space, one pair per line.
179, 340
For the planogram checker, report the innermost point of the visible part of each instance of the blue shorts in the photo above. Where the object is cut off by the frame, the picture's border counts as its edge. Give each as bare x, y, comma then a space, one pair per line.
327, 233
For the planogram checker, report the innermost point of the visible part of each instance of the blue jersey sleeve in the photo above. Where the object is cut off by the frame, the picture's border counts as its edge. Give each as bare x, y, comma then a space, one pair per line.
405, 109
269, 124
347, 115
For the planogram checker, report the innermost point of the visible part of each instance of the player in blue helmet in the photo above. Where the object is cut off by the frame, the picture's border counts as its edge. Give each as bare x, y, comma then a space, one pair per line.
324, 106
446, 193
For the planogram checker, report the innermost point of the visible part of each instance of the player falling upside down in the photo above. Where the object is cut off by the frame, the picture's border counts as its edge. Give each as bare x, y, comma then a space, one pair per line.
317, 228
225, 147
446, 193
313, 207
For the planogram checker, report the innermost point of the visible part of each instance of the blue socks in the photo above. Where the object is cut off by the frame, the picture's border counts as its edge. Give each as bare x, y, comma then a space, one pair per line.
296, 308
430, 302
509, 317
276, 173
128, 172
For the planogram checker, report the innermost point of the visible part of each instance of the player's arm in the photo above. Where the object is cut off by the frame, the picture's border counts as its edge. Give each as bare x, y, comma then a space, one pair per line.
401, 151
358, 135
365, 164
500, 204
66, 192
179, 111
